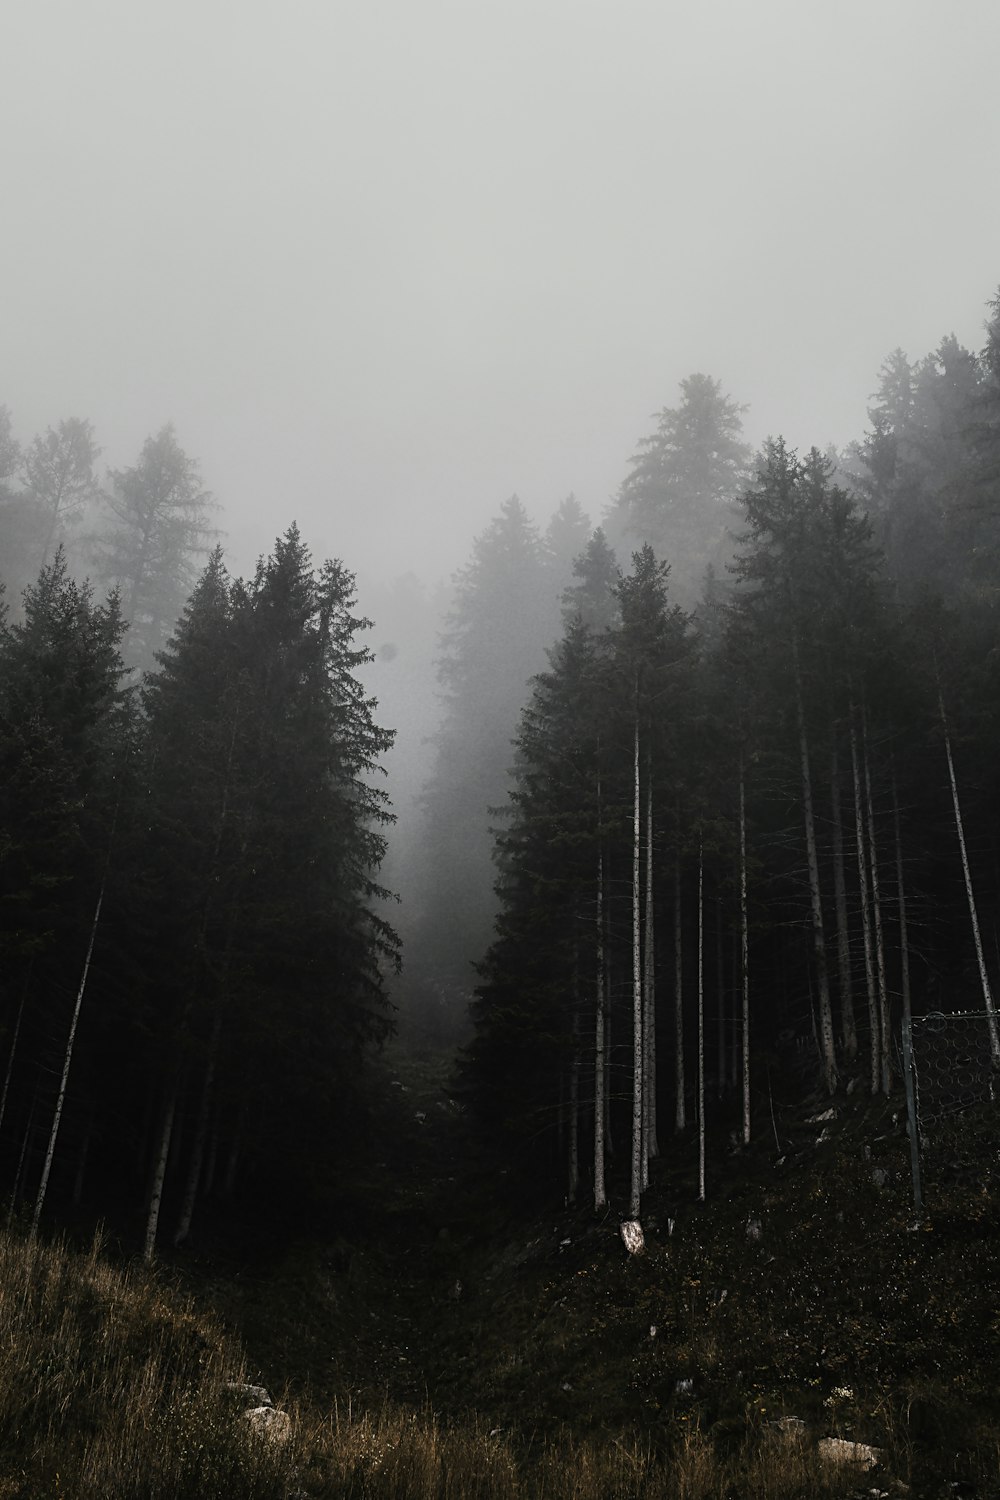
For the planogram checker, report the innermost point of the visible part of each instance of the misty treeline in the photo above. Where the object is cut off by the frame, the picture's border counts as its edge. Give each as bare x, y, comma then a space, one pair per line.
192, 931
749, 833
728, 760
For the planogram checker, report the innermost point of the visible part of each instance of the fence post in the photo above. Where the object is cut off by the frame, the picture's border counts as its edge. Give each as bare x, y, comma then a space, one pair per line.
911, 1119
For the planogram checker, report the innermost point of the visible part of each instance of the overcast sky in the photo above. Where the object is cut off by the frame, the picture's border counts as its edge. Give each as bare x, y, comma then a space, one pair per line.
385, 263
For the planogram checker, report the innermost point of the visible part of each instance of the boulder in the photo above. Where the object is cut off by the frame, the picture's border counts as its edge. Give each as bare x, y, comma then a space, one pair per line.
836, 1450
632, 1237
270, 1423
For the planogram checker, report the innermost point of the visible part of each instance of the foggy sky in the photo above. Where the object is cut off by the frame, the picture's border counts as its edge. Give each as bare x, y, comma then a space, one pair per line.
385, 263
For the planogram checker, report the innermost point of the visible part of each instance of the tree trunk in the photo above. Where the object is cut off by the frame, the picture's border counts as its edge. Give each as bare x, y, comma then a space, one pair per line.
649, 982
701, 1022
828, 1060
13, 1042
744, 958
720, 987
600, 1060
637, 1045
848, 1025
883, 989
81, 1165
200, 1137
67, 1059
969, 893
680, 1117
159, 1173
874, 1018
904, 946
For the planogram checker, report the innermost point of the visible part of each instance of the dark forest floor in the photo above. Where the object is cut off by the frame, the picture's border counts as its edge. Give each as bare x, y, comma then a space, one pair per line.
801, 1288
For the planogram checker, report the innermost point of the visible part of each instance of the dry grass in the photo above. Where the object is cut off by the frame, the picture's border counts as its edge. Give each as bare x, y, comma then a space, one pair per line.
113, 1387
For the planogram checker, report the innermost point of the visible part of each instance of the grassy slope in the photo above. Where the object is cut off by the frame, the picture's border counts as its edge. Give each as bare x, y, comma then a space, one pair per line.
543, 1376
840, 1294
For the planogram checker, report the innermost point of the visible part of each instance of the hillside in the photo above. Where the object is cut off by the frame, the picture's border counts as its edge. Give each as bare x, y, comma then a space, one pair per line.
800, 1289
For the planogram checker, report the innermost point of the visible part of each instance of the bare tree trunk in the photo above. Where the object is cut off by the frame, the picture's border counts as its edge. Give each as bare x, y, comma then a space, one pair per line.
874, 1016
720, 988
969, 893
13, 1042
883, 989
573, 1163
600, 1061
904, 946
828, 1060
680, 1117
744, 958
26, 1139
637, 1043
159, 1173
652, 1148
210, 1165
200, 1137
701, 1022
81, 1164
848, 1025
67, 1059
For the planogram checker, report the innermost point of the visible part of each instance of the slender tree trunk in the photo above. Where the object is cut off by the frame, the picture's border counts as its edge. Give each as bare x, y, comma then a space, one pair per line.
904, 946
701, 1022
649, 983
744, 958
13, 1042
573, 1161
67, 1059
213, 1157
828, 1060
235, 1149
883, 988
200, 1137
969, 893
680, 1116
26, 1139
874, 1016
637, 1043
720, 988
81, 1164
600, 1060
159, 1173
848, 1025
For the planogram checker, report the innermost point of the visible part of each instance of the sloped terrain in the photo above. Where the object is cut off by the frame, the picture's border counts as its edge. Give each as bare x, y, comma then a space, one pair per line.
801, 1289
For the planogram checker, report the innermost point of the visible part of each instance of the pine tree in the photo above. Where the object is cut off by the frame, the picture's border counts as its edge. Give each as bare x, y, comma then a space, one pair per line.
157, 535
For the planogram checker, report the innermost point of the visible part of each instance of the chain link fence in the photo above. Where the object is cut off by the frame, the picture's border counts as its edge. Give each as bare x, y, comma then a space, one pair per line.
952, 1074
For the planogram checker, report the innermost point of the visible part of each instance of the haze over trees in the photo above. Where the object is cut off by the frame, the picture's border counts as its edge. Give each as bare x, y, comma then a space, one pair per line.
709, 790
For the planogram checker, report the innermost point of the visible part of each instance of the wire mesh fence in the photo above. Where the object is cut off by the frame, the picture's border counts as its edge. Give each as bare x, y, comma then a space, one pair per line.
952, 1073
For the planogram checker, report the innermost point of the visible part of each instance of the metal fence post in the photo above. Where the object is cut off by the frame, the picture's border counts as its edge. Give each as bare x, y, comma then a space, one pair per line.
911, 1119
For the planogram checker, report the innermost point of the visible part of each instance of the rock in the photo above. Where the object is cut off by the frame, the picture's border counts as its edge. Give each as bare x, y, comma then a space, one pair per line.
788, 1429
271, 1423
835, 1450
880, 1177
248, 1396
632, 1237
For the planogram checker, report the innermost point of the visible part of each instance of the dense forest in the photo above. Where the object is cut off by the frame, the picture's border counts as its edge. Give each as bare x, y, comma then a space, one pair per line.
711, 792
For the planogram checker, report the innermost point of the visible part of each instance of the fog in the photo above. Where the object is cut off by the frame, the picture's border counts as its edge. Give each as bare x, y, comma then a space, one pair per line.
385, 264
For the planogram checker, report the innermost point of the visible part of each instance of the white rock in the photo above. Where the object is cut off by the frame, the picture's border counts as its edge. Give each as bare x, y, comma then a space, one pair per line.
268, 1422
841, 1451
790, 1429
632, 1237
